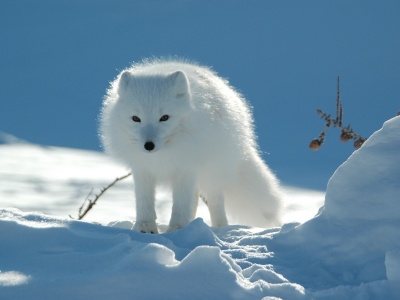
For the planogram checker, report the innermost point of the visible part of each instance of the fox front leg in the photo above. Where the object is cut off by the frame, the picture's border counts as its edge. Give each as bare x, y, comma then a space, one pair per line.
145, 203
185, 200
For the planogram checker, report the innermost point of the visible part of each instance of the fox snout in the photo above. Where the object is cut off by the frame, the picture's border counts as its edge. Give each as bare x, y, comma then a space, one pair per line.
149, 146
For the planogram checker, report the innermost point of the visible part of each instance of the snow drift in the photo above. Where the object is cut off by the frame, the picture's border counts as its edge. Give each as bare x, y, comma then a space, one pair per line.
345, 246
350, 250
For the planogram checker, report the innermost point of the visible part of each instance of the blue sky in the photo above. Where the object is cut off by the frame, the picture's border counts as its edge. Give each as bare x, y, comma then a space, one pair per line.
57, 58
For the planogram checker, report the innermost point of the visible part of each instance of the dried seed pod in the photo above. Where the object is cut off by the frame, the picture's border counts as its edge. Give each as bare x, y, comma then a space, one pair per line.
315, 144
358, 143
345, 136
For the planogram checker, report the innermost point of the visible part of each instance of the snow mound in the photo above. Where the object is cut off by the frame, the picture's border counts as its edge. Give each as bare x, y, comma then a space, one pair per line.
46, 258
350, 247
6, 138
366, 186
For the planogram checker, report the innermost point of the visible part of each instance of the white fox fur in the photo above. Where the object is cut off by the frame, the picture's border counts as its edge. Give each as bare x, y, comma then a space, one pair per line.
178, 124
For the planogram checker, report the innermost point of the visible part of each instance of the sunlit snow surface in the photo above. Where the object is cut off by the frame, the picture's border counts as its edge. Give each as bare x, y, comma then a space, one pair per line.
56, 181
349, 251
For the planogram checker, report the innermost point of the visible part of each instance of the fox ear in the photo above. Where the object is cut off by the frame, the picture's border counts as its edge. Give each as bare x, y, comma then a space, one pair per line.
125, 79
179, 82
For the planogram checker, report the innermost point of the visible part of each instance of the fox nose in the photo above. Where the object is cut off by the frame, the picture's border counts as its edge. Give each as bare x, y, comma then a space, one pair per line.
149, 146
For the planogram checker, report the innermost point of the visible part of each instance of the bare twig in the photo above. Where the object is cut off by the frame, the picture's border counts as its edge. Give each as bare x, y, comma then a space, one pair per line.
83, 210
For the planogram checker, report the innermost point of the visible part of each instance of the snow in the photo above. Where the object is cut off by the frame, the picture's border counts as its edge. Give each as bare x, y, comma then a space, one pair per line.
350, 250
56, 180
392, 263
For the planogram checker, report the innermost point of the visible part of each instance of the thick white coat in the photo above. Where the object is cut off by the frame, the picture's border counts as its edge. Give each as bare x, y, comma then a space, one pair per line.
206, 147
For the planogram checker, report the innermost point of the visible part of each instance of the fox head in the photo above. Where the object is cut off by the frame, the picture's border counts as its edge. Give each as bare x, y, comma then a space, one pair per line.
152, 108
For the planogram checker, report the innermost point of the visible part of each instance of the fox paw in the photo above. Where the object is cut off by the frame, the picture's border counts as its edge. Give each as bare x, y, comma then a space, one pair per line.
146, 227
172, 228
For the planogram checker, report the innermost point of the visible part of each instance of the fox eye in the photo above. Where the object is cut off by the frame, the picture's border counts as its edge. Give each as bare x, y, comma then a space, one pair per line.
136, 119
164, 118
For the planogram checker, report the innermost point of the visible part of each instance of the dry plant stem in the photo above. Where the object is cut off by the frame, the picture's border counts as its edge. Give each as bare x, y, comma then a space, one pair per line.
339, 107
347, 132
91, 203
338, 123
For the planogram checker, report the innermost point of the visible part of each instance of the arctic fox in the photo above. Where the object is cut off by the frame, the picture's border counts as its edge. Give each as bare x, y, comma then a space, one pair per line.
178, 124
